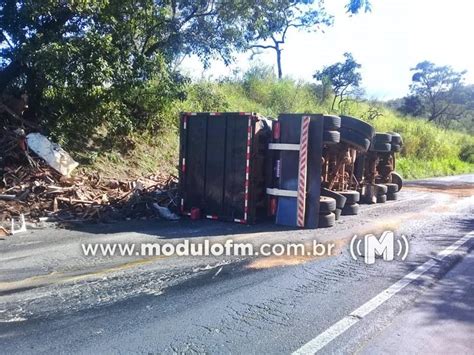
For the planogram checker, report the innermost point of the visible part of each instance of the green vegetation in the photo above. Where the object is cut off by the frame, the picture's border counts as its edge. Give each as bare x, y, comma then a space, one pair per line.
100, 78
75, 69
428, 150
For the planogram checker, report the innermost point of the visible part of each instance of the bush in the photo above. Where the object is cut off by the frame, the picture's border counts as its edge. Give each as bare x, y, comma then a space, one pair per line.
204, 96
467, 153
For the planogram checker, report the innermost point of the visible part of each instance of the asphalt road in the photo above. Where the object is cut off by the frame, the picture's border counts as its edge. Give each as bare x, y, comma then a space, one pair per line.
53, 299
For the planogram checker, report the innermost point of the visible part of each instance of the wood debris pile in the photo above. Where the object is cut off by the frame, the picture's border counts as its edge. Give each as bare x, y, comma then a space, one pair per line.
29, 186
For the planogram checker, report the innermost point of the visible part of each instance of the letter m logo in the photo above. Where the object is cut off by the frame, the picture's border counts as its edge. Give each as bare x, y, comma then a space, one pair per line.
382, 246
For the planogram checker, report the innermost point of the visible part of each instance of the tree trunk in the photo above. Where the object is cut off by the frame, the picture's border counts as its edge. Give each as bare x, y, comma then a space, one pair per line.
334, 102
278, 53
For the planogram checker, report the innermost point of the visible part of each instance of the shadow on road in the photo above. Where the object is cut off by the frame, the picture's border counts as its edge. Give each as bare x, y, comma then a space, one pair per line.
452, 298
179, 229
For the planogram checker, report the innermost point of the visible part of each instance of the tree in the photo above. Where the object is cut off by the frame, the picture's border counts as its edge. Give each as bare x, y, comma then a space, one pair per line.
411, 105
274, 19
85, 63
343, 78
354, 6
436, 87
278, 17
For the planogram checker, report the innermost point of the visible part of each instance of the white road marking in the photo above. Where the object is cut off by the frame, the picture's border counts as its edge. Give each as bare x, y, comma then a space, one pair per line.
345, 323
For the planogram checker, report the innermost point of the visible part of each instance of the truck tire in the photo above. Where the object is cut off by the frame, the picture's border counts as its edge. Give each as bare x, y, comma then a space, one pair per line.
381, 198
326, 204
397, 179
381, 147
381, 189
391, 188
352, 123
337, 212
351, 196
350, 210
392, 196
331, 137
382, 138
396, 148
326, 220
331, 122
355, 139
396, 138
340, 199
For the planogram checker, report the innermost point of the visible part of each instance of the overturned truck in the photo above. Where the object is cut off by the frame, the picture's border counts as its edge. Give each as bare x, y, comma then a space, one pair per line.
299, 170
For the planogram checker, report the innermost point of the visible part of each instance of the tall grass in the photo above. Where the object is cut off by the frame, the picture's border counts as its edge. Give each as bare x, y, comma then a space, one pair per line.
427, 151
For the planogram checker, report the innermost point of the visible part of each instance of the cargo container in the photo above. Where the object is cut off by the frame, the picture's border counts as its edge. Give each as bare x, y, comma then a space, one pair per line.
222, 165
300, 170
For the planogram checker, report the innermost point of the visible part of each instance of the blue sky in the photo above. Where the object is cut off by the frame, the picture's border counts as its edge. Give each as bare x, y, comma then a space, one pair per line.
390, 40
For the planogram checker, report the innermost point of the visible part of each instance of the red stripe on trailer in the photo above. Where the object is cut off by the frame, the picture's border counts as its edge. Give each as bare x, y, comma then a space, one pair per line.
276, 130
215, 113
247, 168
243, 221
273, 206
301, 196
209, 216
183, 165
182, 205
185, 122
192, 113
245, 113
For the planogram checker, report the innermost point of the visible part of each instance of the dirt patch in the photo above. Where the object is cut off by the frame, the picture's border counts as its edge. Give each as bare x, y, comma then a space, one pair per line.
289, 260
458, 190
376, 228
59, 277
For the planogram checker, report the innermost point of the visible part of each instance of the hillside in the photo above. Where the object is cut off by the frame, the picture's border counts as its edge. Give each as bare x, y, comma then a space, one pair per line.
428, 150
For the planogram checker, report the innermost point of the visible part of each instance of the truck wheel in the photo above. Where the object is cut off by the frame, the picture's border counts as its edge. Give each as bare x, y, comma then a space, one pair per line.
396, 138
391, 188
381, 147
340, 199
326, 204
396, 148
331, 122
331, 137
397, 179
355, 139
326, 220
351, 196
357, 125
381, 198
392, 196
350, 210
381, 189
382, 138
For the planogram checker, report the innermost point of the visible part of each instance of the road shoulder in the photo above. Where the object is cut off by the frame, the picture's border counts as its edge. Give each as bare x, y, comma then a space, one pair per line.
440, 322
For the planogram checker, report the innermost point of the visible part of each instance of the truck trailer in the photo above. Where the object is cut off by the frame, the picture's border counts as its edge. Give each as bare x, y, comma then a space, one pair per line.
298, 170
